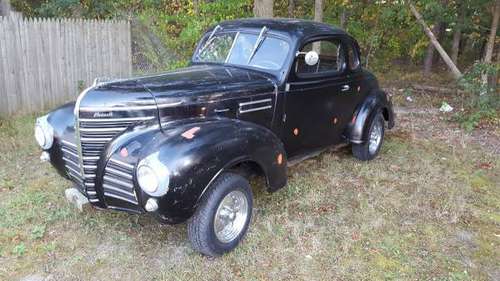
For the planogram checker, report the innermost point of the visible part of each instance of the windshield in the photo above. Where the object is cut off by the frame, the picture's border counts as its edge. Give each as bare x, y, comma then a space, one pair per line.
237, 47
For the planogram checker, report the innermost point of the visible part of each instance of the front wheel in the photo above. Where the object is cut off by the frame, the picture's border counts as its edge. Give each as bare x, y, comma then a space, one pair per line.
374, 137
222, 218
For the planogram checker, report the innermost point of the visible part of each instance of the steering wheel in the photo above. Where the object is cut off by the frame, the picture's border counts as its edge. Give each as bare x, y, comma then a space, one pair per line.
267, 64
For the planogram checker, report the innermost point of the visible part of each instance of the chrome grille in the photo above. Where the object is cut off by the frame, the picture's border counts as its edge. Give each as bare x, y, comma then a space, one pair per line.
118, 181
70, 157
94, 135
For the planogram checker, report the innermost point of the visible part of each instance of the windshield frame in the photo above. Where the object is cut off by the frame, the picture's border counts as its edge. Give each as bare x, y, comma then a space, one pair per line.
277, 72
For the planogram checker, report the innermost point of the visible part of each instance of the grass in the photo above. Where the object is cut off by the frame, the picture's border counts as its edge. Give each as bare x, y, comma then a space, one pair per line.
426, 209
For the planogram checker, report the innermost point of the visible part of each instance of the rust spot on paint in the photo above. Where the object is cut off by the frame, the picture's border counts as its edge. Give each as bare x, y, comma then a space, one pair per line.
296, 131
124, 152
280, 159
189, 134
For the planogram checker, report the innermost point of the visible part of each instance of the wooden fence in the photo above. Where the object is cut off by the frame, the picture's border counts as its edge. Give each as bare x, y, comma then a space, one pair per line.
46, 62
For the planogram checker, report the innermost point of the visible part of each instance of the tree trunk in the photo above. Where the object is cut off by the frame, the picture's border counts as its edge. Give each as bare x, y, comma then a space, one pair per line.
343, 18
196, 6
429, 54
493, 33
263, 8
497, 73
490, 45
454, 70
318, 10
318, 16
291, 8
457, 34
4, 7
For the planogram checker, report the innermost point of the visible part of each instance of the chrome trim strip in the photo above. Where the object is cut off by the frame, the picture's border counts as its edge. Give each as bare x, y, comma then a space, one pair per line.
70, 161
76, 112
255, 109
165, 105
118, 173
142, 118
90, 158
93, 200
89, 184
121, 198
119, 182
89, 176
117, 189
90, 167
253, 102
91, 193
72, 169
96, 140
68, 143
114, 129
69, 152
118, 162
221, 110
121, 108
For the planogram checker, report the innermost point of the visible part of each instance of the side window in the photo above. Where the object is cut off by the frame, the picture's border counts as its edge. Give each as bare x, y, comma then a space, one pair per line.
331, 57
353, 58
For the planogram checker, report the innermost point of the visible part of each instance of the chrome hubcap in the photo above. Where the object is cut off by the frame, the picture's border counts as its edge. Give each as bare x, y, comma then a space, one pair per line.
375, 137
231, 216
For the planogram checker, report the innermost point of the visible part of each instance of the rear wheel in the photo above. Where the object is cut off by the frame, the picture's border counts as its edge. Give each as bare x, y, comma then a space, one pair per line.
222, 218
374, 136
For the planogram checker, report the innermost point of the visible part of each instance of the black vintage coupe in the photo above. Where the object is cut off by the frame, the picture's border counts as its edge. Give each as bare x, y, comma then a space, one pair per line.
258, 94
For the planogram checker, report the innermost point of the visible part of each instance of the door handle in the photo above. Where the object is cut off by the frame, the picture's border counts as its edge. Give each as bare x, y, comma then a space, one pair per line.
221, 110
345, 88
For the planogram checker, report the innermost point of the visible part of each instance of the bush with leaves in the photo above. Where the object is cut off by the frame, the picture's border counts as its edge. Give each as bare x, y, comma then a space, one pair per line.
482, 100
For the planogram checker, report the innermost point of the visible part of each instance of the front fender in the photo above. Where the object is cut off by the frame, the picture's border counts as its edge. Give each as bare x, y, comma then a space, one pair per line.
376, 100
196, 151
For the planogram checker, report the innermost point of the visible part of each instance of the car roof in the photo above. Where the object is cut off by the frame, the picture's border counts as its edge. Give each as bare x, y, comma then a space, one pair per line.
293, 27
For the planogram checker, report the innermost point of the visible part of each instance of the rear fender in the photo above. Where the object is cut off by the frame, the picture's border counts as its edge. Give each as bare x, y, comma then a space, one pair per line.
376, 100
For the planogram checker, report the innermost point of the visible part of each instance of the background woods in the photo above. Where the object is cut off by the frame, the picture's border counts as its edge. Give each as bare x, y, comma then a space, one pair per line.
462, 26
164, 33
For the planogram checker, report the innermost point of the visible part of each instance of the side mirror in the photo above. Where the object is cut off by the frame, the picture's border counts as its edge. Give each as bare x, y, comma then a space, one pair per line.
311, 58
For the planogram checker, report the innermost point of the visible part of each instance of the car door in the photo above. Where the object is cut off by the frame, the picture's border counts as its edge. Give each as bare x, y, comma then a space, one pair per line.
315, 95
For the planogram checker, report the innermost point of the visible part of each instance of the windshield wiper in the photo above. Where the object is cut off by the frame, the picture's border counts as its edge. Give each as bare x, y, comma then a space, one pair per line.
258, 43
209, 40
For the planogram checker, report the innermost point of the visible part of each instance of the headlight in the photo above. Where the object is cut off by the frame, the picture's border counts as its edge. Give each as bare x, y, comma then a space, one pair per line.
153, 176
44, 133
147, 178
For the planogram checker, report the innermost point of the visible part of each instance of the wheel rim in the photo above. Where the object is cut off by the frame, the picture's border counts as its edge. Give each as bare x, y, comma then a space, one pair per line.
375, 137
231, 216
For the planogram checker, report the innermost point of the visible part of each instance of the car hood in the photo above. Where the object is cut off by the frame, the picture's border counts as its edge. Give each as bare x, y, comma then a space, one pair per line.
199, 83
174, 95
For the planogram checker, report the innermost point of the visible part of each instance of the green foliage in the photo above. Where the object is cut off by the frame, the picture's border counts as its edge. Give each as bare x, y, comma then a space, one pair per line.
482, 101
19, 249
38, 232
182, 27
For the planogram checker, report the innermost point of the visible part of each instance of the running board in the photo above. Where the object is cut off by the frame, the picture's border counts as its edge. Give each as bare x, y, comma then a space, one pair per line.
297, 159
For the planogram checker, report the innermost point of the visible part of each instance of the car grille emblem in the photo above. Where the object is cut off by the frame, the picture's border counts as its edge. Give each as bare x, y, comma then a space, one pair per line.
103, 114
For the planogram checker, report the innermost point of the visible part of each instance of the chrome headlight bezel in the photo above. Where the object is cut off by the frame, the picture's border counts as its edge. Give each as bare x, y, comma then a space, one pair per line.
44, 133
151, 166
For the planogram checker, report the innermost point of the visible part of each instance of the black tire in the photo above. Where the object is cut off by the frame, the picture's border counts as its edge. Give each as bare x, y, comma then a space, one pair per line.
201, 230
362, 151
